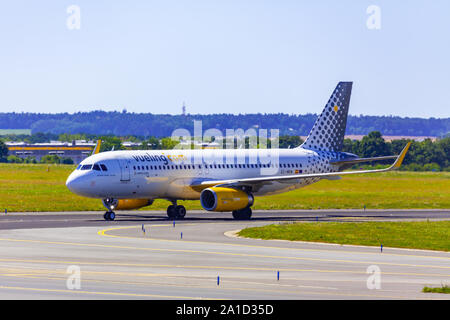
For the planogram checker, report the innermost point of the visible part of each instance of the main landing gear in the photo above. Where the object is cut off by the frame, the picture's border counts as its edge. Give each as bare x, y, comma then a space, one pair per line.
243, 214
109, 216
175, 211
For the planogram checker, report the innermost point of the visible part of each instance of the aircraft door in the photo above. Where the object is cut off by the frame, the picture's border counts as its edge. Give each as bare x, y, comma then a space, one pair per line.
125, 169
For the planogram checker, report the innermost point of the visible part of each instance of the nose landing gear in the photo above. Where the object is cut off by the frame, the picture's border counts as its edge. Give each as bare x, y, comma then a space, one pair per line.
109, 216
109, 204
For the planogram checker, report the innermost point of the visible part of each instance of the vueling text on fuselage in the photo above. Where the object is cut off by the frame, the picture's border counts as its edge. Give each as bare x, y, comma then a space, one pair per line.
151, 158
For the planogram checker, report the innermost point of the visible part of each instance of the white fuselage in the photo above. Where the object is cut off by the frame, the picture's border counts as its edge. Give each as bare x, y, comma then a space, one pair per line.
169, 174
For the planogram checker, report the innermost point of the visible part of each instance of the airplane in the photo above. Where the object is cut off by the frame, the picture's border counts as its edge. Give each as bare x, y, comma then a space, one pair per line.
222, 179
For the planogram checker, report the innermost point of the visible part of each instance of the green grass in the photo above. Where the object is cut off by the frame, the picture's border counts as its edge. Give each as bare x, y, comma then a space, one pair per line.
430, 235
393, 190
31, 187
441, 289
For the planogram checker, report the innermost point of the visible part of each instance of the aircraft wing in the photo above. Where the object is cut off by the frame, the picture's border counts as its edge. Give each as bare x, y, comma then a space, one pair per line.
259, 181
358, 160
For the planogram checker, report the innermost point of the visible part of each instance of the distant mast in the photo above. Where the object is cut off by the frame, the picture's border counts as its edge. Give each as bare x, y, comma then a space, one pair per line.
183, 109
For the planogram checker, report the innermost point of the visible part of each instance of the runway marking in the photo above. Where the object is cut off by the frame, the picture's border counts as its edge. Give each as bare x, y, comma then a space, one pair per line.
103, 293
216, 267
223, 287
104, 233
222, 253
41, 275
45, 274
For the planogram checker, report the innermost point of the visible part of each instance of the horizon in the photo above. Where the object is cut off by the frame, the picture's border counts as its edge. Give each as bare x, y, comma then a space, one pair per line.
212, 114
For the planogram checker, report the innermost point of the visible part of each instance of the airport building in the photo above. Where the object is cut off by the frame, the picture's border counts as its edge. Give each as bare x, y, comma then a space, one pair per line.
77, 150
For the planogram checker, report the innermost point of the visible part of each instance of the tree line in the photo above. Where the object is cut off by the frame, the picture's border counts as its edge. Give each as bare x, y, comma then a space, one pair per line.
162, 125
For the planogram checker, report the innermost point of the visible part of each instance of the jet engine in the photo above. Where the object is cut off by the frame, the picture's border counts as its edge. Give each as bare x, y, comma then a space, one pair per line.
126, 204
225, 199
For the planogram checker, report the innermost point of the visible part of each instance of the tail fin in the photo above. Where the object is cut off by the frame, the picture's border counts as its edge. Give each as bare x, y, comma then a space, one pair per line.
97, 147
328, 132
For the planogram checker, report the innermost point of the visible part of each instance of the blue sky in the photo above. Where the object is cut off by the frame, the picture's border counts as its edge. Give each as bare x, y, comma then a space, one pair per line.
234, 56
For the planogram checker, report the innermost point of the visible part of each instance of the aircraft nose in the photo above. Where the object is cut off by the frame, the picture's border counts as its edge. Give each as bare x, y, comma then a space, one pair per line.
75, 183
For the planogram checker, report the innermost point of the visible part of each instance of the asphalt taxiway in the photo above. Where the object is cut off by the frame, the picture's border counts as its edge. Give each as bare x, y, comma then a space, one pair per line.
142, 255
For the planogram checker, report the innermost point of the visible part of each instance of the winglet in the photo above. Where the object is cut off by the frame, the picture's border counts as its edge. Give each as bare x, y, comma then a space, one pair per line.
399, 160
97, 147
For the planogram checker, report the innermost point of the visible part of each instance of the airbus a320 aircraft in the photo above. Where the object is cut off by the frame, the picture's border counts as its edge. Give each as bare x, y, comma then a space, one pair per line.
223, 180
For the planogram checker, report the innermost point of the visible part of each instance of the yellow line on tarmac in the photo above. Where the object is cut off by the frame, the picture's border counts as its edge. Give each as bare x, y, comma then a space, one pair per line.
145, 265
223, 287
221, 253
104, 233
102, 293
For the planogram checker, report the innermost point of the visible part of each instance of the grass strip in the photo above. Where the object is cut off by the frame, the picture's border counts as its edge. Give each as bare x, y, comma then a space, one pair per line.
429, 235
442, 289
40, 187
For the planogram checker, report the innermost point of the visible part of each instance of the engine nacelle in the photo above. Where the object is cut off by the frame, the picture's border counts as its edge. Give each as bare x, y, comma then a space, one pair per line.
126, 204
225, 199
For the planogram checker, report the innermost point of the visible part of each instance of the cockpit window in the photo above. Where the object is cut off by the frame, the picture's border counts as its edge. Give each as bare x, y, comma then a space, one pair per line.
104, 168
96, 167
86, 167
79, 167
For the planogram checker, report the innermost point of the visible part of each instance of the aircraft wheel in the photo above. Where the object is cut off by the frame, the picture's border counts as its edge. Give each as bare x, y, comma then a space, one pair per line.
180, 211
109, 216
243, 214
171, 212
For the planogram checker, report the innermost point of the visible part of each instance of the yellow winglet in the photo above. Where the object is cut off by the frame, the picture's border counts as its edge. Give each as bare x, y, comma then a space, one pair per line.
97, 147
400, 158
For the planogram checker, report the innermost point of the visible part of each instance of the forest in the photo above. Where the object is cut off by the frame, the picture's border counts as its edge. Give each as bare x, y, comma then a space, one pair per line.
162, 125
